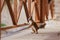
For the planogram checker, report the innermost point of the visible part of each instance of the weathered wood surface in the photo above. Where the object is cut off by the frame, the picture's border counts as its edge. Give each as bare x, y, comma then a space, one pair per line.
40, 6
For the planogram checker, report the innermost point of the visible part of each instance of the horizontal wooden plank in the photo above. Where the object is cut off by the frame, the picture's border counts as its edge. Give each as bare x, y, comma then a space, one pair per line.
15, 26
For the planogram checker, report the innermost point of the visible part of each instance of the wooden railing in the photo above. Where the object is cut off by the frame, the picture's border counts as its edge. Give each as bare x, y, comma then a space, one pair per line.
41, 10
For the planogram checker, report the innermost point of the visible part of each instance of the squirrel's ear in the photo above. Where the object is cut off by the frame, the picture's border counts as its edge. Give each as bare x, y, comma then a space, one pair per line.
30, 18
32, 0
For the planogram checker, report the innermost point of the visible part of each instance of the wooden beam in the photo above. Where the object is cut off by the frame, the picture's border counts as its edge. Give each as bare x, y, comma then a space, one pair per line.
0, 13
46, 9
42, 11
2, 4
15, 10
37, 10
15, 26
11, 11
52, 9
20, 8
26, 10
29, 7
0, 18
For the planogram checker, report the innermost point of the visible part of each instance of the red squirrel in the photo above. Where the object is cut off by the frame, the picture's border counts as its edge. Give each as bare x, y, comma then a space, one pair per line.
35, 26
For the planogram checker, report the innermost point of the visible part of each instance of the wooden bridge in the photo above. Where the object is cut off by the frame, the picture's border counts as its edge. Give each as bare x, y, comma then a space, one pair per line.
41, 11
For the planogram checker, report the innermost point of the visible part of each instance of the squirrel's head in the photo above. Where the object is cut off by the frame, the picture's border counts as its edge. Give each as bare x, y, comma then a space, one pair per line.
30, 18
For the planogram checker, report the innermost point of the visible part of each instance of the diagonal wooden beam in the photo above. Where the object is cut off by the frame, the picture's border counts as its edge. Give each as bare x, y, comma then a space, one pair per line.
29, 7
2, 4
15, 10
23, 3
11, 11
37, 10
26, 10
20, 8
